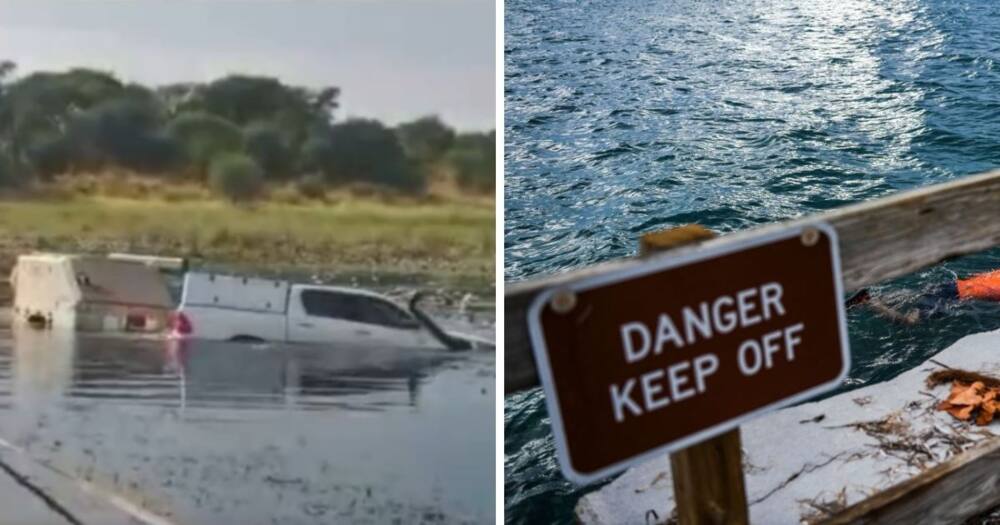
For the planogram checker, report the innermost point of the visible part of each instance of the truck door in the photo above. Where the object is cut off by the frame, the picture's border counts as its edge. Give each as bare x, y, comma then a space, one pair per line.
391, 325
323, 316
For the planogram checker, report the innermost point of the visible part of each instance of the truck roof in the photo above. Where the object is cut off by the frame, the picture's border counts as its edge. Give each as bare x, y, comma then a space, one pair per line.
250, 293
341, 289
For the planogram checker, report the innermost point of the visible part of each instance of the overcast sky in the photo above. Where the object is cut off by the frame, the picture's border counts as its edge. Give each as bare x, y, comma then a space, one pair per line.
393, 59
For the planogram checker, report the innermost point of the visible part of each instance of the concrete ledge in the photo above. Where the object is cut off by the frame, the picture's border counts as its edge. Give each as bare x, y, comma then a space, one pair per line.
22, 502
805, 462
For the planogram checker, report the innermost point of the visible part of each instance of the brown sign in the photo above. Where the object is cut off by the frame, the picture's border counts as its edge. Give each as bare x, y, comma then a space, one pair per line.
659, 357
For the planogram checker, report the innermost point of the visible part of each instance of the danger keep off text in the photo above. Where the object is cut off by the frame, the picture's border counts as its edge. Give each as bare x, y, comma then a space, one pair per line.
682, 380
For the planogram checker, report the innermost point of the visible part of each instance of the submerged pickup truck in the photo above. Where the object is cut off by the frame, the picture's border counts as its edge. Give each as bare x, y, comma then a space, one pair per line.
235, 308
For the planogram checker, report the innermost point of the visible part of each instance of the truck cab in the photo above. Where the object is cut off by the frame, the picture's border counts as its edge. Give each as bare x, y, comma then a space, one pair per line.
326, 314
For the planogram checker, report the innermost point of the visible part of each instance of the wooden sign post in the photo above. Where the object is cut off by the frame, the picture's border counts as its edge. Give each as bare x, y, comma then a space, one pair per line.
708, 477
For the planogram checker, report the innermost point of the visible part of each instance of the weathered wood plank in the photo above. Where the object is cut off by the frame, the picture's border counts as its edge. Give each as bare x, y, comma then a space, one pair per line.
879, 240
951, 492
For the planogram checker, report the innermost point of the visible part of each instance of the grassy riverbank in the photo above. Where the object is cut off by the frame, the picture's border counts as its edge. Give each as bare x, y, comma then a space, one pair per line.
443, 238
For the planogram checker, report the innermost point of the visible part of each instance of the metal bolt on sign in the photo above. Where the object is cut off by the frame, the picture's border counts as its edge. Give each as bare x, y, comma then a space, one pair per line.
810, 236
563, 301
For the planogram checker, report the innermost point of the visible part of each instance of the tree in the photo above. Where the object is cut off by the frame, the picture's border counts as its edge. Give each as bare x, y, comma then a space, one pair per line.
202, 137
83, 119
174, 97
362, 150
315, 155
266, 144
244, 99
36, 111
473, 157
8, 177
51, 99
425, 139
126, 132
236, 177
324, 101
7, 68
50, 155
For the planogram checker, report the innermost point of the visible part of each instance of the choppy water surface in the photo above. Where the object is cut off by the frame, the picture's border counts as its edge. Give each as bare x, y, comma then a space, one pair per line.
233, 433
635, 115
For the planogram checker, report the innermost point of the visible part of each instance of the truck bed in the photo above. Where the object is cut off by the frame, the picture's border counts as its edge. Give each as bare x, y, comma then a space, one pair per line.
224, 307
223, 324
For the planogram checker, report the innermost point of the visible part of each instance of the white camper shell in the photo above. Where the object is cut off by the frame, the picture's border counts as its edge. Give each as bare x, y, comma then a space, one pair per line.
89, 293
233, 308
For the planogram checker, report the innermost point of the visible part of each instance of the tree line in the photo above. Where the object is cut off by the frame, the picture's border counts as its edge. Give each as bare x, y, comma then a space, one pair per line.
237, 133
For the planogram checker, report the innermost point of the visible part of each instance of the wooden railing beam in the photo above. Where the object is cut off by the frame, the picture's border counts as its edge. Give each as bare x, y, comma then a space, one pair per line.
879, 240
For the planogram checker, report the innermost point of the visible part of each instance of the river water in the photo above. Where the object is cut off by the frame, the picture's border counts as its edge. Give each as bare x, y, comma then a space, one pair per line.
258, 434
635, 115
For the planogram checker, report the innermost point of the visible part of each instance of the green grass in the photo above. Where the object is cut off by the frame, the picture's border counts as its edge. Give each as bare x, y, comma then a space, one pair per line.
450, 238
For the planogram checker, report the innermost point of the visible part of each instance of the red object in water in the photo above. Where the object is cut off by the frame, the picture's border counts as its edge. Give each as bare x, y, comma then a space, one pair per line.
983, 286
180, 323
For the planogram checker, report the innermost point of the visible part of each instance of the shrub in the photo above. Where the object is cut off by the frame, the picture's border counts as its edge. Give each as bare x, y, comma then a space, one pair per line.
236, 177
312, 186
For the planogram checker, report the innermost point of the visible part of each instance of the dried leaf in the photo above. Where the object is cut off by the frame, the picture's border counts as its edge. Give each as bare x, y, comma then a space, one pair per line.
990, 394
962, 412
969, 396
966, 399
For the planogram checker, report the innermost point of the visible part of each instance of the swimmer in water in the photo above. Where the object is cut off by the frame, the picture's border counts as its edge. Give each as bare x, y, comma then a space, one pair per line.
980, 287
